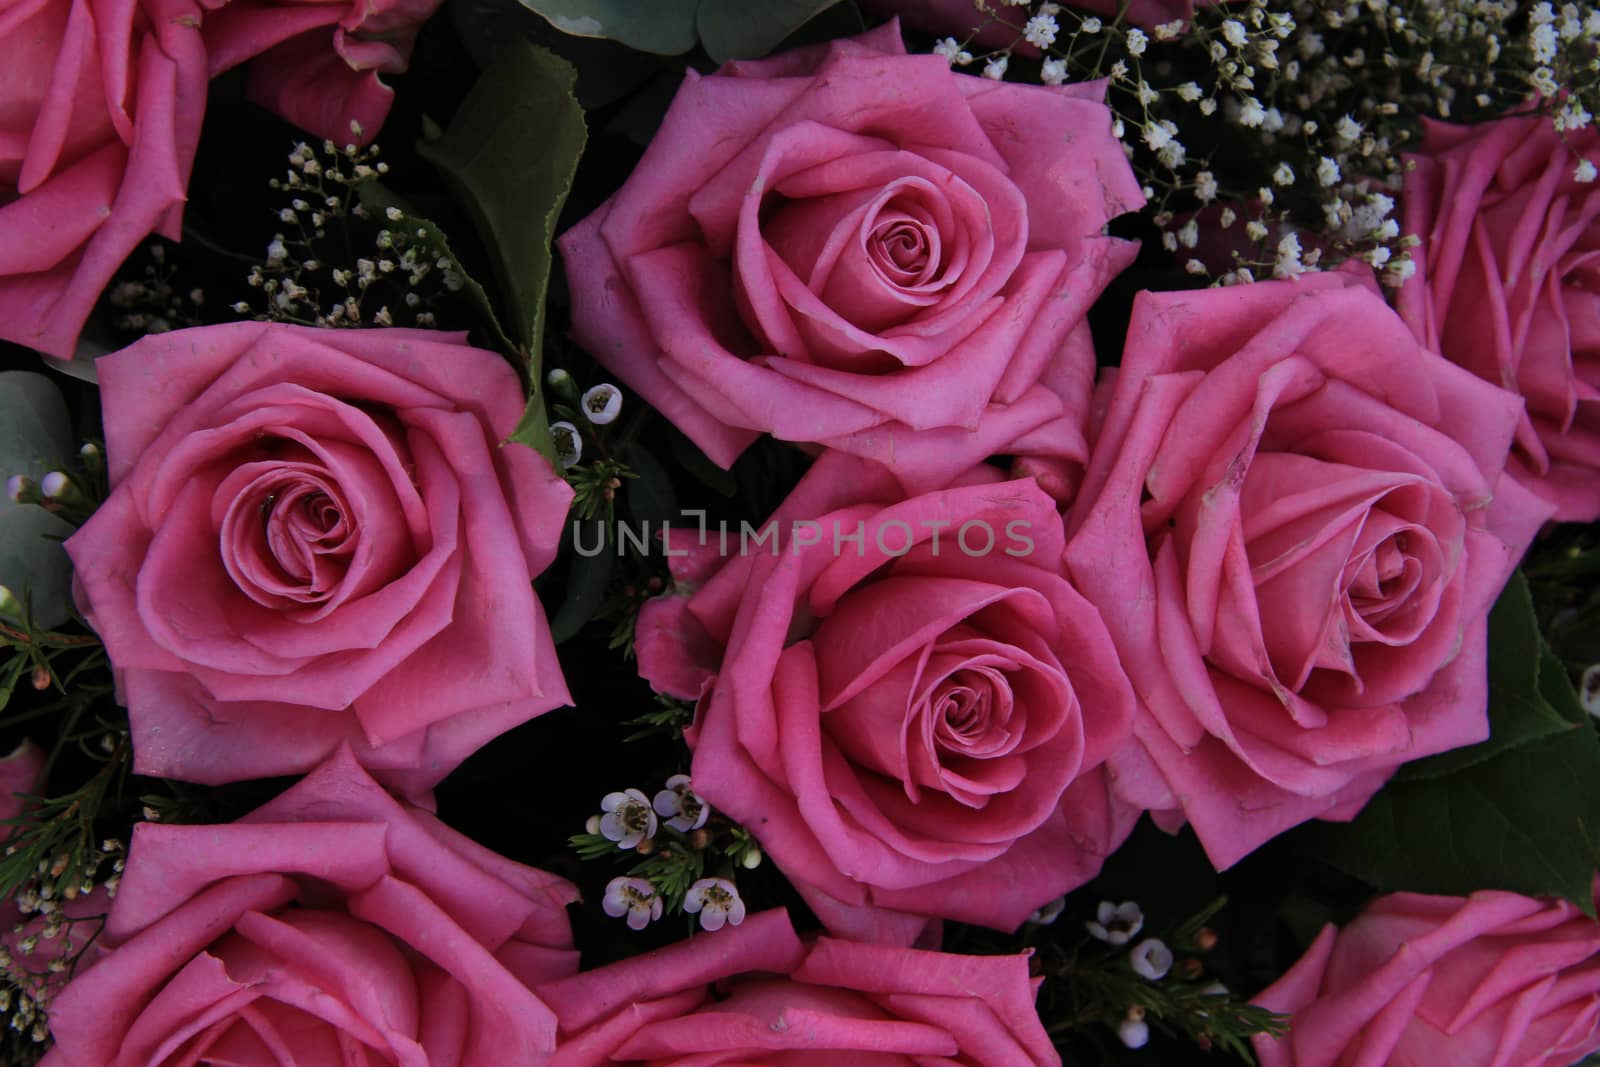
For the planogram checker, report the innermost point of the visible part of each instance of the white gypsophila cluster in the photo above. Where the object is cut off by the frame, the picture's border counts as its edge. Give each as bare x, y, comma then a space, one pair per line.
155, 302
1294, 114
404, 274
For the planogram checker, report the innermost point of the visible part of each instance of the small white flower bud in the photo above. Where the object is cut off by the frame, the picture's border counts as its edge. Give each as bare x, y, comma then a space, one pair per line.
1135, 1033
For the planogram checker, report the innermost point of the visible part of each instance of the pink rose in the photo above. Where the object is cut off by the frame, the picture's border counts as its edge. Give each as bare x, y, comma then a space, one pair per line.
102, 108
1491, 980
332, 926
317, 63
1294, 522
755, 994
854, 247
910, 722
316, 537
1508, 285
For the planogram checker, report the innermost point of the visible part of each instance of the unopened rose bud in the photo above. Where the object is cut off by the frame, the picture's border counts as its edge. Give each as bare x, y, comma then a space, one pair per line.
1206, 939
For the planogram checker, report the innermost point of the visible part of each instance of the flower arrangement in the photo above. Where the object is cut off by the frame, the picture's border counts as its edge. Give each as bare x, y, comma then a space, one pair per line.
981, 532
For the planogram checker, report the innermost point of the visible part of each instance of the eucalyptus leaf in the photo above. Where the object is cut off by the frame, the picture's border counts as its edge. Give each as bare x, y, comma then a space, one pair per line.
739, 29
728, 29
666, 27
35, 438
510, 154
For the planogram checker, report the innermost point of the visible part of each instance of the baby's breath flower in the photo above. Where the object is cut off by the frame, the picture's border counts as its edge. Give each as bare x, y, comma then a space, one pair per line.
1189, 92
1288, 264
1251, 113
1327, 171
995, 69
1284, 174
1586, 171
1041, 30
1137, 42
1090, 25
1053, 71
1233, 32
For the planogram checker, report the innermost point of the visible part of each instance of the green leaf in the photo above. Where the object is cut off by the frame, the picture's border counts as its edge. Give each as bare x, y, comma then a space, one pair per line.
729, 29
651, 497
1525, 681
587, 579
666, 27
738, 29
510, 155
378, 199
35, 438
1526, 820
697, 463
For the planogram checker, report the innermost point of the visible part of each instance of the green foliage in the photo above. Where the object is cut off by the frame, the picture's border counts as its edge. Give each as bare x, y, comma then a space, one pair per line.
510, 156
729, 29
669, 716
1520, 812
1091, 984
34, 439
381, 203
1528, 696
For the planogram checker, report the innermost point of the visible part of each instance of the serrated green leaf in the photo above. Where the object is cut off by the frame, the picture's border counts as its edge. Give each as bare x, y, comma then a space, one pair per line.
1526, 820
666, 27
1522, 684
35, 438
510, 155
377, 198
739, 29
